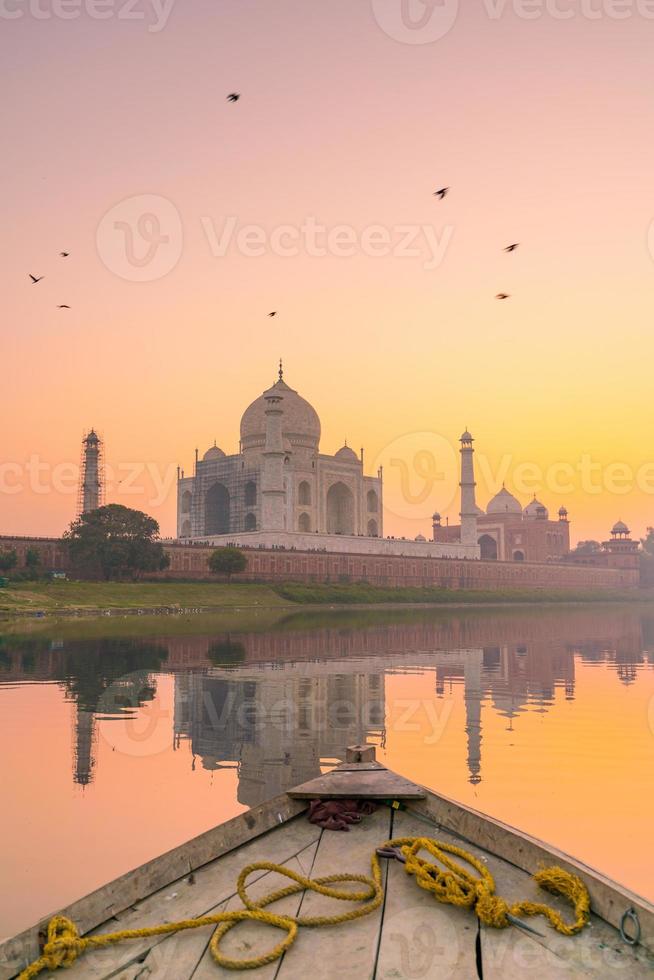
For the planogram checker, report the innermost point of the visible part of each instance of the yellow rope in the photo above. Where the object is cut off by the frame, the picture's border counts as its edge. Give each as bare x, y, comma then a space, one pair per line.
455, 885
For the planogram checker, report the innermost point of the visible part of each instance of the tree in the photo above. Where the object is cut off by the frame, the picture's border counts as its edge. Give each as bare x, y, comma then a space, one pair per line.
8, 560
115, 542
32, 561
587, 548
226, 561
647, 559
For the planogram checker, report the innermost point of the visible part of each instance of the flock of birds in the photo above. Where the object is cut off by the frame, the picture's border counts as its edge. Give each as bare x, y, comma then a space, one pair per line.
35, 279
441, 193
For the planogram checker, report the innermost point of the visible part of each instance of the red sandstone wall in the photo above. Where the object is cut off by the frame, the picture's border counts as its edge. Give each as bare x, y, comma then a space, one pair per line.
451, 573
298, 566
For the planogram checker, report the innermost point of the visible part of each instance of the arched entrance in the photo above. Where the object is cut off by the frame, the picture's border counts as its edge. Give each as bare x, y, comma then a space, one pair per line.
304, 522
487, 547
250, 522
186, 529
340, 509
372, 529
518, 556
216, 510
187, 499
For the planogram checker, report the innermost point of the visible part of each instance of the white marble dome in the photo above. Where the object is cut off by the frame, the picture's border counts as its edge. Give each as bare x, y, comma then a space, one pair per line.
535, 509
504, 503
215, 452
300, 422
347, 454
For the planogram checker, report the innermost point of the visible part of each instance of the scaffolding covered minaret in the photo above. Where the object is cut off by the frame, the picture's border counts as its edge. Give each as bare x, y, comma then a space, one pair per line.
91, 479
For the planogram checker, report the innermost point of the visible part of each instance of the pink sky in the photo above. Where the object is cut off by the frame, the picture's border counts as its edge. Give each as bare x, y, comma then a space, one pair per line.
541, 127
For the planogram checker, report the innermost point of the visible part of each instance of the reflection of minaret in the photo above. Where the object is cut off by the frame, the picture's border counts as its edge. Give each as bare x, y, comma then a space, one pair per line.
472, 697
84, 746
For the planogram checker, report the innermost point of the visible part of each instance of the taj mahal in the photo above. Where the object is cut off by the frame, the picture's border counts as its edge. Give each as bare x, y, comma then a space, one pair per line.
279, 490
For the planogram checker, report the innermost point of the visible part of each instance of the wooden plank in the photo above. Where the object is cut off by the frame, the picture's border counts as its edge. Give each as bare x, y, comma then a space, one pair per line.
608, 899
186, 955
111, 899
347, 950
371, 785
212, 886
360, 753
597, 951
246, 939
420, 936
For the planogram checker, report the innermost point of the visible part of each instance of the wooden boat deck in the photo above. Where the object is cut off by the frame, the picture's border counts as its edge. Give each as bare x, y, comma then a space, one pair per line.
410, 936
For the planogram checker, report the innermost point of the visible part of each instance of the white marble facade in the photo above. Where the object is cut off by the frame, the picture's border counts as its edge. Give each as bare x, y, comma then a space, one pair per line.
279, 480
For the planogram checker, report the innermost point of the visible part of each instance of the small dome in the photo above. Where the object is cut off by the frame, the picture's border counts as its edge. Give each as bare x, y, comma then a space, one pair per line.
420, 537
620, 528
436, 517
563, 512
535, 509
346, 454
466, 437
504, 503
213, 453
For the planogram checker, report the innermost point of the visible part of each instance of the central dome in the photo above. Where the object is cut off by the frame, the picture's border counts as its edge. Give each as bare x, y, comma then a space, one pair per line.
300, 422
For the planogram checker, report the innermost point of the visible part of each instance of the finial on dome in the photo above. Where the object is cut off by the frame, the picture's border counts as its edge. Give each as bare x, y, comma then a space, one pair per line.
281, 370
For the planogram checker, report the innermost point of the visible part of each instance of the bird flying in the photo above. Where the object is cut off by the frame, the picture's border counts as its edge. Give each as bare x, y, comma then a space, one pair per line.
274, 313
511, 248
233, 96
441, 193
503, 296
63, 306
64, 255
35, 279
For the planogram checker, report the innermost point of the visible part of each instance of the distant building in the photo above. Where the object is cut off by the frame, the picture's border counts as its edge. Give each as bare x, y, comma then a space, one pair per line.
280, 491
279, 480
620, 551
505, 531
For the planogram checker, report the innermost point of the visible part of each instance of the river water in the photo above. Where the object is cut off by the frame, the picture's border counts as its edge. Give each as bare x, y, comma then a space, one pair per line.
121, 738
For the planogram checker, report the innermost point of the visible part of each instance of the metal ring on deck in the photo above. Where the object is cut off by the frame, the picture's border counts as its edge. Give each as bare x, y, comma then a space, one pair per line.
633, 915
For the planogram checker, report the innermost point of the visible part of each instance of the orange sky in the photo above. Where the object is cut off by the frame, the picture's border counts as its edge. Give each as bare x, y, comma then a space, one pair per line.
541, 127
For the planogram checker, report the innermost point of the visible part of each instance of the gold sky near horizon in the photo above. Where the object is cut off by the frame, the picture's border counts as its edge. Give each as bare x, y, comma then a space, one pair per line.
542, 128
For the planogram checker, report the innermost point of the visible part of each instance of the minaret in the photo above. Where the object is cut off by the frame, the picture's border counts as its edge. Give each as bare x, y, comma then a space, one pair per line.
468, 506
272, 482
90, 486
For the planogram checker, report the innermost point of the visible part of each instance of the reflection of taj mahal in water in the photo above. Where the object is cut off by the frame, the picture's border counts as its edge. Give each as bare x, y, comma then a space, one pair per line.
279, 705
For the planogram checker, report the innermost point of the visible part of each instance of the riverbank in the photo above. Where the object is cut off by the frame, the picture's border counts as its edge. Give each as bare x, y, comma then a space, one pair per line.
62, 598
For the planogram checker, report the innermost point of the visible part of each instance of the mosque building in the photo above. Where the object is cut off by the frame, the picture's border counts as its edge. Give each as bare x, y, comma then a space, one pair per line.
279, 490
505, 531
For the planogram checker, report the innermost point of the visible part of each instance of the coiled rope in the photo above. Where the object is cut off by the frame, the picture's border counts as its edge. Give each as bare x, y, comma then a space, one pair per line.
455, 885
